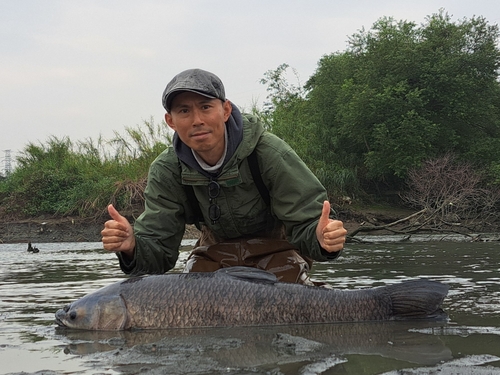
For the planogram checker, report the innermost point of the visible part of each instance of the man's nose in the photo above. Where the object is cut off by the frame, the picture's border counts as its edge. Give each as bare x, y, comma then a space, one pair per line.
197, 117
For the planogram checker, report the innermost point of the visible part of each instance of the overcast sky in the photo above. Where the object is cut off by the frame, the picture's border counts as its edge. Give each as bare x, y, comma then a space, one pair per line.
90, 67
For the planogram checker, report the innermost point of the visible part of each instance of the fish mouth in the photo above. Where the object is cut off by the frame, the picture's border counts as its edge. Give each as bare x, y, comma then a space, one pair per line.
59, 320
60, 323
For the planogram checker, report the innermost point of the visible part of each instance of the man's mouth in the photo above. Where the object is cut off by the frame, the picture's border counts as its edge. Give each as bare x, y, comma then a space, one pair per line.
199, 134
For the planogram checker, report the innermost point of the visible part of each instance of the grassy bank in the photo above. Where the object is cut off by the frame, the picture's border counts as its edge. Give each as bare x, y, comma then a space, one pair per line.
61, 178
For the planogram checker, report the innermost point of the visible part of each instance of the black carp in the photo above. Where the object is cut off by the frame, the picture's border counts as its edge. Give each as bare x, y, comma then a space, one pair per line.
243, 296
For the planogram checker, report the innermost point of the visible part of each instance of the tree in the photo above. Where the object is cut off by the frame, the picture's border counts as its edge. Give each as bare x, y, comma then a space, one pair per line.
402, 93
285, 106
294, 120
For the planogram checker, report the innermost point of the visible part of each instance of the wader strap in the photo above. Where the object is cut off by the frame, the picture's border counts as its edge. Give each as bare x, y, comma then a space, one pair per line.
195, 206
253, 163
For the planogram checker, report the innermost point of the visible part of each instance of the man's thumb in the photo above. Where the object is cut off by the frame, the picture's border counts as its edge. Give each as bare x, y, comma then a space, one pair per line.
115, 215
325, 215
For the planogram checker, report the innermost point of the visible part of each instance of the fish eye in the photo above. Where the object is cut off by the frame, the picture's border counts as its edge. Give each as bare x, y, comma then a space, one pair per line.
72, 315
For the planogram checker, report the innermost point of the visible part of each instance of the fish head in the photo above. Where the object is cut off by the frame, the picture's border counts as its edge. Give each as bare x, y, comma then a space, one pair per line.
94, 312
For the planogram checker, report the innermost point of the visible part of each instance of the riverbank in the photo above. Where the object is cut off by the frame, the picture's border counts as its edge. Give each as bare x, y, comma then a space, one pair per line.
73, 229
41, 230
70, 230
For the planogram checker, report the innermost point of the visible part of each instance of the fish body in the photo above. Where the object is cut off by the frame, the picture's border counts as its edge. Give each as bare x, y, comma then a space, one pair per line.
243, 296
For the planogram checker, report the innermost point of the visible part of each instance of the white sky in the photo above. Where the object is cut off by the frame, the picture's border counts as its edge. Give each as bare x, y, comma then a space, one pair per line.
84, 68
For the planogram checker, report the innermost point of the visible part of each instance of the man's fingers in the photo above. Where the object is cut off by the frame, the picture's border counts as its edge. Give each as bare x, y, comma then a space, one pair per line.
112, 246
114, 232
334, 236
117, 234
115, 215
340, 239
325, 216
333, 244
335, 228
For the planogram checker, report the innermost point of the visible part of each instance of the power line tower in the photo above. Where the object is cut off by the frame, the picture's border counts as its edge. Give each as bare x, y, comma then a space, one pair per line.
7, 163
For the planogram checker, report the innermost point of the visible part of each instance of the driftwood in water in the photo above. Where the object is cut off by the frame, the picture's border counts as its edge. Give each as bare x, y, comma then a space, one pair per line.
423, 221
430, 222
389, 227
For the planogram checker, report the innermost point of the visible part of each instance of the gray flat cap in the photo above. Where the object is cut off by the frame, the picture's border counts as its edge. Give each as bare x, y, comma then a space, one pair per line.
195, 80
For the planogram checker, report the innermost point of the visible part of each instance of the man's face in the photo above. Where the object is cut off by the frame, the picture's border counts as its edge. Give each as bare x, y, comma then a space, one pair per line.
200, 123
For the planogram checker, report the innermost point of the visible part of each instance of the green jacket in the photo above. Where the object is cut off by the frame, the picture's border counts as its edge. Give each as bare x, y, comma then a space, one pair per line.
296, 194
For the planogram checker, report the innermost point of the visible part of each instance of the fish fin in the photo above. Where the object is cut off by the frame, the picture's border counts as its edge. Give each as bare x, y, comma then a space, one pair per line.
112, 313
248, 274
418, 299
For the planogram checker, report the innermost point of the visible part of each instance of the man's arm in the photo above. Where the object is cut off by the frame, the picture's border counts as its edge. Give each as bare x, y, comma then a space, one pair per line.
300, 201
152, 245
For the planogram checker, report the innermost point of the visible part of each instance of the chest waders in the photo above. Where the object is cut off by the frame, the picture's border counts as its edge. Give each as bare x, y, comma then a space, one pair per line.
274, 254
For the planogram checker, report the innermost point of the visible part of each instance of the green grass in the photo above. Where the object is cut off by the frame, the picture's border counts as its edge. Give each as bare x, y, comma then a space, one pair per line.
61, 177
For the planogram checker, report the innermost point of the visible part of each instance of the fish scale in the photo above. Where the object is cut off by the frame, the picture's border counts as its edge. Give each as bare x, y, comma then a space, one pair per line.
242, 296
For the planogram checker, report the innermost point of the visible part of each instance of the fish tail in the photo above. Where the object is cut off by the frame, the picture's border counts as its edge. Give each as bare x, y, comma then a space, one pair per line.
418, 299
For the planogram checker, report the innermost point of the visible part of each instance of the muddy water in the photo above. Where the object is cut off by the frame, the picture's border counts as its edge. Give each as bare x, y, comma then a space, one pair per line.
34, 286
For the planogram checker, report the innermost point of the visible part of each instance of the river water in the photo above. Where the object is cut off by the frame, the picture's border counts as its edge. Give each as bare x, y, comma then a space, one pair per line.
34, 286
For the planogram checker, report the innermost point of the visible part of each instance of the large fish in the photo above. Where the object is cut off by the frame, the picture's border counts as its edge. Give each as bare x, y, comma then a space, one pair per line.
243, 296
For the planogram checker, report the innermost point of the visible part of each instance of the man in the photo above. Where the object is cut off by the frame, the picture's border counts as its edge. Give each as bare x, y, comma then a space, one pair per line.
206, 177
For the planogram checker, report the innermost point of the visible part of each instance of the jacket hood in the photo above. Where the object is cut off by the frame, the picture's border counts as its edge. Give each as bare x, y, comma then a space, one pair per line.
234, 129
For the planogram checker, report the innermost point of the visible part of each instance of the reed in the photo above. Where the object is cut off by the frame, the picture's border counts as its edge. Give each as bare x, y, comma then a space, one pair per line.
61, 177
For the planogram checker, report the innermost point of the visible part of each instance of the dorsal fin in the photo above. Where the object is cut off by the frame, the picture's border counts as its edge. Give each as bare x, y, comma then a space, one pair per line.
248, 274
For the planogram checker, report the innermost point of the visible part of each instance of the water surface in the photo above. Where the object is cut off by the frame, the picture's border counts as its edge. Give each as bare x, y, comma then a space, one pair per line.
34, 286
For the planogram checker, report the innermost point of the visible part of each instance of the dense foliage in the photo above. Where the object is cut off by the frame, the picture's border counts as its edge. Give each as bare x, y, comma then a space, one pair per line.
368, 120
399, 95
63, 178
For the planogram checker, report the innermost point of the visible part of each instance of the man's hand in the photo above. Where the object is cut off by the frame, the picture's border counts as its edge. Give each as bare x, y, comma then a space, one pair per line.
118, 234
330, 233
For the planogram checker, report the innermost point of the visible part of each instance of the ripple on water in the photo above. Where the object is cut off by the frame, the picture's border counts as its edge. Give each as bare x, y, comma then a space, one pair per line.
34, 286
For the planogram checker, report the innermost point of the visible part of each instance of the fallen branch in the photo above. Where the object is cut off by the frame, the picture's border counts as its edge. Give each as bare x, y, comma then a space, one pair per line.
371, 228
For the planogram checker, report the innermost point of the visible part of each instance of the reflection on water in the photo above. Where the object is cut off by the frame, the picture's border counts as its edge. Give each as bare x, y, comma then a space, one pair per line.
34, 286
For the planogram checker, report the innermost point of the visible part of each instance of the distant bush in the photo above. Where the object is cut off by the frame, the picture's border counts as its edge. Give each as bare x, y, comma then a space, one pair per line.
451, 192
63, 178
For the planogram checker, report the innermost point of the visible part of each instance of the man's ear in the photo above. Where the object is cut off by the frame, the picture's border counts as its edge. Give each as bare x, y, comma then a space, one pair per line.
168, 120
228, 108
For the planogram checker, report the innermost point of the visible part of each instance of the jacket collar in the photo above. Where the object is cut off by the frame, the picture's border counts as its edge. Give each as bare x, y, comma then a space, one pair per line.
234, 130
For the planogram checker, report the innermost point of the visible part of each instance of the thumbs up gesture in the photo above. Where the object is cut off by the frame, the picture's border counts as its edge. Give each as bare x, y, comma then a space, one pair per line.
330, 233
118, 234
